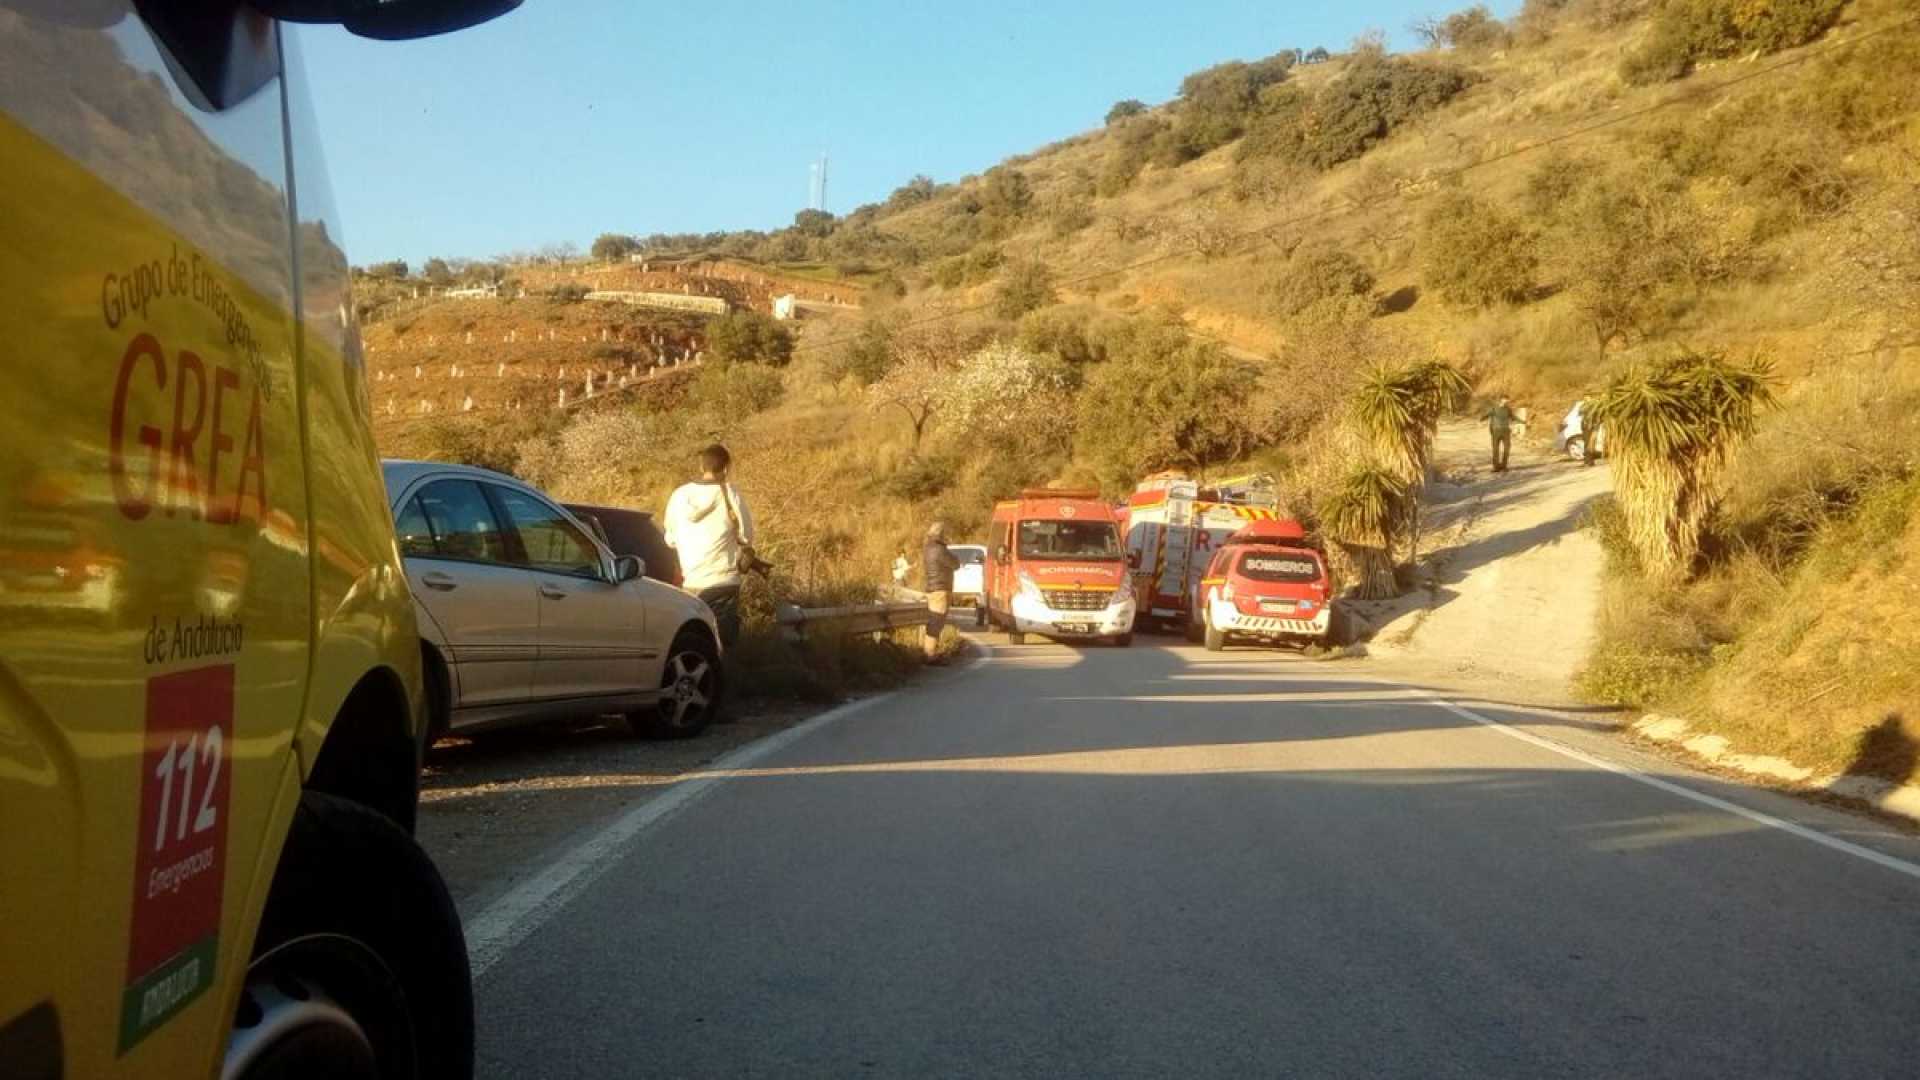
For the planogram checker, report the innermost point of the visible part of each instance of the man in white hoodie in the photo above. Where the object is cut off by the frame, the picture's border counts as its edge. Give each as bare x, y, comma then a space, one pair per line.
708, 525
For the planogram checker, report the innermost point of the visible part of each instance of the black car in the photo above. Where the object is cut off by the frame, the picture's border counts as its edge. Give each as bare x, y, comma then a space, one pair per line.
631, 532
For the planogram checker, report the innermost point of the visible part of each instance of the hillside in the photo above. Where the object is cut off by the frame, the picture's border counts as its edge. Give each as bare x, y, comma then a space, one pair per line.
1546, 205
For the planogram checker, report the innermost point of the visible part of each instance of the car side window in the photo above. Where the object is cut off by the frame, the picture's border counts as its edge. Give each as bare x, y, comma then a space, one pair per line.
462, 522
551, 542
411, 526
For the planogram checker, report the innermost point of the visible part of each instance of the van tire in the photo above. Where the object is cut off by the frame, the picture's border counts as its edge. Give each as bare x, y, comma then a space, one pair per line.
1216, 639
692, 657
980, 616
1015, 637
392, 958
1196, 633
1577, 448
1123, 640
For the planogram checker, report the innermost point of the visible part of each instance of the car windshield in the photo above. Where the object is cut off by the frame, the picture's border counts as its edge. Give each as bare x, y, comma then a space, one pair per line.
1096, 541
1288, 567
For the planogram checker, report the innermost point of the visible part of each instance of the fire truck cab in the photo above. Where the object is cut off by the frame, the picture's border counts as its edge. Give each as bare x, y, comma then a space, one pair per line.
1055, 568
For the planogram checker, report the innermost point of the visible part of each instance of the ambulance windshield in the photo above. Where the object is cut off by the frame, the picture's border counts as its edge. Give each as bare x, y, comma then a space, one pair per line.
1093, 541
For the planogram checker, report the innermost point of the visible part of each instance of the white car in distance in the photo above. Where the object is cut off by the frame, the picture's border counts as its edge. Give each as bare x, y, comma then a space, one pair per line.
525, 616
970, 579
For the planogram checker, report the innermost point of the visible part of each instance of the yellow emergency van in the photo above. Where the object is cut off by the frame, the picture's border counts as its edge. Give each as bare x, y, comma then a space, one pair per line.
210, 695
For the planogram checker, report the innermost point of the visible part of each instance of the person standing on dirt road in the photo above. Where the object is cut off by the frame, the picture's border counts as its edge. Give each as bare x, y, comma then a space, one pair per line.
1500, 427
709, 526
937, 564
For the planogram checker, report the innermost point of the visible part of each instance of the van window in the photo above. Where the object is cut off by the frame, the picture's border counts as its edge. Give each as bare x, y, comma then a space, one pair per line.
1091, 540
462, 522
1287, 567
552, 543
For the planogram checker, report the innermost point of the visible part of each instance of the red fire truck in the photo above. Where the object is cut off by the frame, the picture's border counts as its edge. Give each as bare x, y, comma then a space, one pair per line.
1174, 525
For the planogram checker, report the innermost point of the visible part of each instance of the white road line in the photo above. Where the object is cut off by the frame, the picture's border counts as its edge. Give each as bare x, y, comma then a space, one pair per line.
1897, 865
521, 910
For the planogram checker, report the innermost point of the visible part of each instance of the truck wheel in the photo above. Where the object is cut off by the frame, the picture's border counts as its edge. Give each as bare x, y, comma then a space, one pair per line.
1015, 637
352, 980
1195, 632
980, 617
1216, 639
1123, 640
689, 690
1577, 448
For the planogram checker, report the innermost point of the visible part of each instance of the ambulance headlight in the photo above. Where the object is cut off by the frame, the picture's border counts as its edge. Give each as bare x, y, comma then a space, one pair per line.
1030, 588
1122, 594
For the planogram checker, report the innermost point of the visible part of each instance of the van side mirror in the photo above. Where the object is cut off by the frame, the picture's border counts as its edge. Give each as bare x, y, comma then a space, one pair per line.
1000, 553
1133, 560
628, 568
389, 20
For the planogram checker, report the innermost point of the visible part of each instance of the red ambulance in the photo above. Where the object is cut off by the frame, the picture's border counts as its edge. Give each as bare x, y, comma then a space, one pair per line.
1055, 568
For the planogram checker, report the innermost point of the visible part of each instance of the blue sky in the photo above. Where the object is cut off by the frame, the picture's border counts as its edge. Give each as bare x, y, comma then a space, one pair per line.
569, 118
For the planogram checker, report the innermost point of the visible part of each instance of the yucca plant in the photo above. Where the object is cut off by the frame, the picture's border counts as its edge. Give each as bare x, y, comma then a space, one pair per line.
1671, 430
1397, 411
1365, 515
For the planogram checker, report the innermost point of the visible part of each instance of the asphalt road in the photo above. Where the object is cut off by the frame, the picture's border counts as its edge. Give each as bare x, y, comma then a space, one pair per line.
1162, 862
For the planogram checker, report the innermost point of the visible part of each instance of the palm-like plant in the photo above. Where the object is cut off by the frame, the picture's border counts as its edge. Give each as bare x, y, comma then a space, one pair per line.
1365, 515
1671, 430
1397, 411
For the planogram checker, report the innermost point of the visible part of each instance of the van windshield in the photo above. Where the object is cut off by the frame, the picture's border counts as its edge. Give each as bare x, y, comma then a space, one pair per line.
1092, 541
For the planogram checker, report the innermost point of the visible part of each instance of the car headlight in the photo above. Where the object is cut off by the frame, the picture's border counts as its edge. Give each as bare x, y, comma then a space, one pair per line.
1122, 594
1030, 588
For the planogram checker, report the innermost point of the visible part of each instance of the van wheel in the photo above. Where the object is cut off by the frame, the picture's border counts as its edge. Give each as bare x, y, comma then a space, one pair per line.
348, 980
1123, 640
1577, 448
1216, 639
689, 690
980, 617
1195, 632
1015, 637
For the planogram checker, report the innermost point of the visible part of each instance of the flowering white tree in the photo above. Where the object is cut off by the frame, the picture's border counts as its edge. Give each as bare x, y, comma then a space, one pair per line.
1005, 390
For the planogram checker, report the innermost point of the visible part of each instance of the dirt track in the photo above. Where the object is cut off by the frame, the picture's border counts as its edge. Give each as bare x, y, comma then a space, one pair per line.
1515, 587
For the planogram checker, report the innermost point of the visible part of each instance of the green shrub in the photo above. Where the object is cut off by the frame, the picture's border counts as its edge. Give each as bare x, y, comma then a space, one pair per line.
1216, 103
748, 337
568, 292
737, 390
950, 273
922, 477
1123, 109
1064, 331
869, 356
1685, 31
1347, 116
1474, 255
1024, 286
1071, 218
1310, 277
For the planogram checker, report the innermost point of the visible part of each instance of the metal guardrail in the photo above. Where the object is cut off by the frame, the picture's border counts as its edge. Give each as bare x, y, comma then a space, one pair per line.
801, 623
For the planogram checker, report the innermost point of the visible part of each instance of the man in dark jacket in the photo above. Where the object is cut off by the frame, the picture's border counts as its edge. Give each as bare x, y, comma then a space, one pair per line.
938, 565
1500, 427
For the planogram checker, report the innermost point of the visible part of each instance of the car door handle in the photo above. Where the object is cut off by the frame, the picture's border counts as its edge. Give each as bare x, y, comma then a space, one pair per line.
437, 580
553, 592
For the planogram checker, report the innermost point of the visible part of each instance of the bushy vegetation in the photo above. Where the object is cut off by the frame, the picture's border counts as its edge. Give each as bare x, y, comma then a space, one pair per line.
1474, 254
1317, 276
1687, 31
1374, 97
748, 337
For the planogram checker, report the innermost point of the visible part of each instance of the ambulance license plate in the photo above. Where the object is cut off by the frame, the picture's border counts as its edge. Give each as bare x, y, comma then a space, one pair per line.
1074, 627
1276, 605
